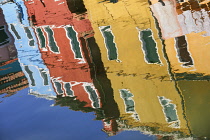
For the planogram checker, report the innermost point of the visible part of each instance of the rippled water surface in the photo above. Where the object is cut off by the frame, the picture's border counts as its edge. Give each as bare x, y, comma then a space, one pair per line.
104, 70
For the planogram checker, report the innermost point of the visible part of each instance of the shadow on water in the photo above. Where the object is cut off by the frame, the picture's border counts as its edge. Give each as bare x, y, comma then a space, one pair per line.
101, 81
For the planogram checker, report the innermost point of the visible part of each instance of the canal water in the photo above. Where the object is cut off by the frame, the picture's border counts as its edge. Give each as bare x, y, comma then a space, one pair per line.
77, 70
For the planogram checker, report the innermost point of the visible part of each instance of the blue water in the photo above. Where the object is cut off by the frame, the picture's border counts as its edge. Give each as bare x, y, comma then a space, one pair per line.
25, 117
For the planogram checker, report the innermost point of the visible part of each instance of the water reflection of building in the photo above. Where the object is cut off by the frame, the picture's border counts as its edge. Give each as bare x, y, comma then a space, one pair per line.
136, 65
190, 19
26, 45
69, 49
61, 50
140, 66
12, 79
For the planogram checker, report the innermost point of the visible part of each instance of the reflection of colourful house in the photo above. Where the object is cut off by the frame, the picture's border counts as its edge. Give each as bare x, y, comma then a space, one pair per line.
59, 33
67, 45
137, 66
191, 20
12, 78
26, 45
143, 69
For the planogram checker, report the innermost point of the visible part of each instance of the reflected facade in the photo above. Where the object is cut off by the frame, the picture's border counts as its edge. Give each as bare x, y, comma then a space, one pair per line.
138, 65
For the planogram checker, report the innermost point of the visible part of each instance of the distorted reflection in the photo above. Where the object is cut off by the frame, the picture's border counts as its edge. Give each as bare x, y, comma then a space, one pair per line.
136, 70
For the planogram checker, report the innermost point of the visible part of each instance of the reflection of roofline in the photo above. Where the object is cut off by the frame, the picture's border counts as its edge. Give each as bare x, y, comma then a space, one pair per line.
6, 1
48, 97
147, 130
